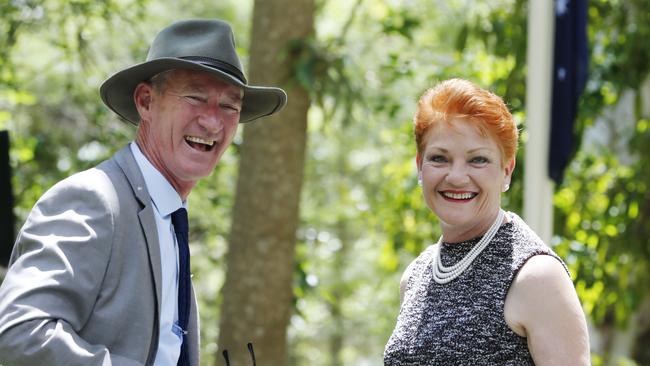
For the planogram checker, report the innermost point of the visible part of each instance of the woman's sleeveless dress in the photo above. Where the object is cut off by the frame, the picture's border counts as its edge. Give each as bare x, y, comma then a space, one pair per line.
462, 322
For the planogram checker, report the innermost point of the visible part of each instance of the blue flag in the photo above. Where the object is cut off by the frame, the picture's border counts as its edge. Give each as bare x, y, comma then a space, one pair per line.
569, 79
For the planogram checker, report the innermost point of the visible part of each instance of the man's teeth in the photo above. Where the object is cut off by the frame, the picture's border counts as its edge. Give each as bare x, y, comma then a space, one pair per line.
199, 140
458, 196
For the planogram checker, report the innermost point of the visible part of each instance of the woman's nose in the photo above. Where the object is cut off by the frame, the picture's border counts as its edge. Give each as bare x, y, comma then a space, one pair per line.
457, 175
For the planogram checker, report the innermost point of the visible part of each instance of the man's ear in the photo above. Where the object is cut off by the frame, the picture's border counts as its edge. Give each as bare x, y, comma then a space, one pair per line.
142, 99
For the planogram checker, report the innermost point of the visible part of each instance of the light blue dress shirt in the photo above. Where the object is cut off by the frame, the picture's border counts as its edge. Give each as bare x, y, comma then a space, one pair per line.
165, 201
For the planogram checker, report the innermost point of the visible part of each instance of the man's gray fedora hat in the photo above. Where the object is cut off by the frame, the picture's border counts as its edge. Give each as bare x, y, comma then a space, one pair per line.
204, 45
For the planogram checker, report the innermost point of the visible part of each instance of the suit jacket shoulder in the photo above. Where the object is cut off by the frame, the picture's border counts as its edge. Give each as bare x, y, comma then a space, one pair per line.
81, 288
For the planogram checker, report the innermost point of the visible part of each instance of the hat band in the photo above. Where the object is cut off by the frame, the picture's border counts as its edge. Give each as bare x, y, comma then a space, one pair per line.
219, 65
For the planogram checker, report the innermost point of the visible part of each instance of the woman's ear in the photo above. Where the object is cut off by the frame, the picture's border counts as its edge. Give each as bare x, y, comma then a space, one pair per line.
508, 169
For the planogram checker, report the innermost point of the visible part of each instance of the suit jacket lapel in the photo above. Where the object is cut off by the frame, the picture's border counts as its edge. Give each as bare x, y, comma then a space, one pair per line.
127, 162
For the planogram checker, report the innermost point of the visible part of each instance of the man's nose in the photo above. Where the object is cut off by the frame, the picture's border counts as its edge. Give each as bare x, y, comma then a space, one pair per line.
211, 119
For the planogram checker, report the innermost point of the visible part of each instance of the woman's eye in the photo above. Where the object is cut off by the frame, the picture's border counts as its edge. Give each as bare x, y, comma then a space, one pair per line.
437, 159
479, 160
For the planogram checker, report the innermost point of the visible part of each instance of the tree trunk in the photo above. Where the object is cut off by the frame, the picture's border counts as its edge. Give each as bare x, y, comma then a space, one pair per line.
257, 293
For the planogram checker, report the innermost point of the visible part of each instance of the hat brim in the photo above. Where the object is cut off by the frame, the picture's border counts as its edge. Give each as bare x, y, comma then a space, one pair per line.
117, 90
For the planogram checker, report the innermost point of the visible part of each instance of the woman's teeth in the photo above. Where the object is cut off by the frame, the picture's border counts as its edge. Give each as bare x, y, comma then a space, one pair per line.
459, 196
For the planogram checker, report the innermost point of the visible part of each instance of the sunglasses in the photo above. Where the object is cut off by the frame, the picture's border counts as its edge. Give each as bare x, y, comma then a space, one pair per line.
250, 350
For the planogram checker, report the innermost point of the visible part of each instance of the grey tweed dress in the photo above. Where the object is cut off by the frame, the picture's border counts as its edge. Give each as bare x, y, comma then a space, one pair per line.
462, 322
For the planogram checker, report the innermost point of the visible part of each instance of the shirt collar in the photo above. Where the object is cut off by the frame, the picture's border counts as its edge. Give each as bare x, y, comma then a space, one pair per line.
163, 195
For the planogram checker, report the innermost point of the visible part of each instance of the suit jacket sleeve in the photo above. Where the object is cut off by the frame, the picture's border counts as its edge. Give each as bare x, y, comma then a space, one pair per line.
56, 273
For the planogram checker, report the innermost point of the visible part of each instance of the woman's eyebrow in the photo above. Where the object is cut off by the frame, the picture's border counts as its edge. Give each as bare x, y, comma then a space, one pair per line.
471, 151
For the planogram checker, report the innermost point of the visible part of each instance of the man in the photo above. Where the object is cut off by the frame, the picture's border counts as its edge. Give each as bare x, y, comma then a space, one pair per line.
99, 274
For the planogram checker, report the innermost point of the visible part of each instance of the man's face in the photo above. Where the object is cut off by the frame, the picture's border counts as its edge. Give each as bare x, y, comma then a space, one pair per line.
187, 122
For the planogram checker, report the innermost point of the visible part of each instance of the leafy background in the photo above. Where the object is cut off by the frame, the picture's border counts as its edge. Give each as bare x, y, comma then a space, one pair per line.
362, 217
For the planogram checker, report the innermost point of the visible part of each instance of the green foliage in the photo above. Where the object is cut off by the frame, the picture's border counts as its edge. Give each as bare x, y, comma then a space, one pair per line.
320, 69
362, 216
401, 21
602, 209
595, 220
50, 101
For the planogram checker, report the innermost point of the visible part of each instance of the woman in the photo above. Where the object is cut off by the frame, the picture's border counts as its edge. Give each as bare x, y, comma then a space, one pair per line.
490, 292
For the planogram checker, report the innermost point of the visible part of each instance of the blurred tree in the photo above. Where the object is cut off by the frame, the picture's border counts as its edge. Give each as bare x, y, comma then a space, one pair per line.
257, 293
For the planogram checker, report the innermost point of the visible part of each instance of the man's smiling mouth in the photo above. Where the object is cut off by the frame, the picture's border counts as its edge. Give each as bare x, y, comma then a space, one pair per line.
199, 143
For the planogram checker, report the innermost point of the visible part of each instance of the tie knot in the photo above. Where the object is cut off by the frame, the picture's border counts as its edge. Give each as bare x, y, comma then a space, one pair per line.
179, 220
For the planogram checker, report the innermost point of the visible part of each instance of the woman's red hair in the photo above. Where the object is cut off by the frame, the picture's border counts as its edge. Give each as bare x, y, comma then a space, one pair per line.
461, 99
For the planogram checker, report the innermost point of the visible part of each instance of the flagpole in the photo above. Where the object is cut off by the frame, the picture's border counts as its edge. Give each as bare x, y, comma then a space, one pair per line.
538, 187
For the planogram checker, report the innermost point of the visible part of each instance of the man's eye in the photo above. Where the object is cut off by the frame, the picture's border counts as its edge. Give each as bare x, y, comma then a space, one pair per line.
231, 107
195, 99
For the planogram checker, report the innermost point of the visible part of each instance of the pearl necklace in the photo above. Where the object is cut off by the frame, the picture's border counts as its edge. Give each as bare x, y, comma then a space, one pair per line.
443, 274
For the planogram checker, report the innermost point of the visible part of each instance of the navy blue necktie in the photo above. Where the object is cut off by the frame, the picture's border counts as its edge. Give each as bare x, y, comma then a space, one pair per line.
179, 220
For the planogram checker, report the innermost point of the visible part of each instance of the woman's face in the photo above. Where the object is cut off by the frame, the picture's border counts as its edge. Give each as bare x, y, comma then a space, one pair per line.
462, 178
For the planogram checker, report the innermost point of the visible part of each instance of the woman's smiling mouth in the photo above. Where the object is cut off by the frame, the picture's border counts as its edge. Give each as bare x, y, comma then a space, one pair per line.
458, 196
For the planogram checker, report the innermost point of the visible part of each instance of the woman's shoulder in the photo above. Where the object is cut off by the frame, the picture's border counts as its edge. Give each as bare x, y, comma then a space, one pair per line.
542, 270
544, 306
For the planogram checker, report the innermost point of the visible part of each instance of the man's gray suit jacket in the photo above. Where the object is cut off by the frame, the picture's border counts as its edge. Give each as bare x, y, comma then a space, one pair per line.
84, 283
